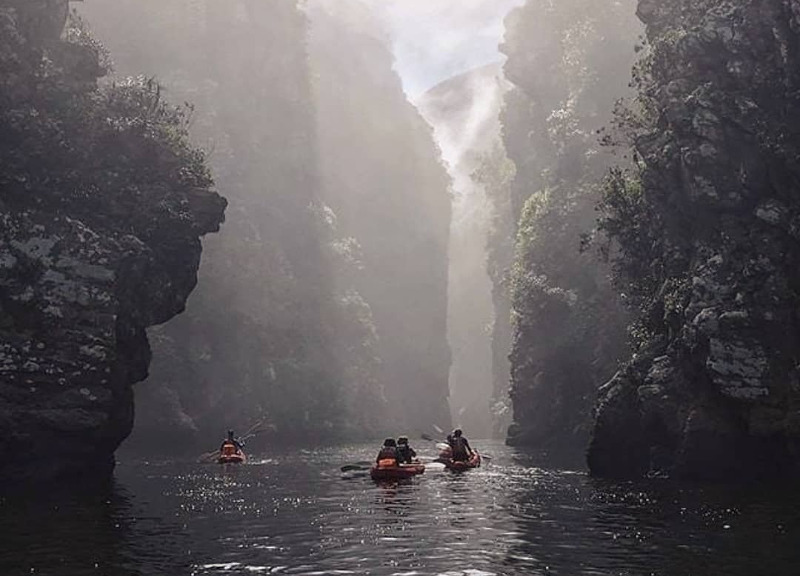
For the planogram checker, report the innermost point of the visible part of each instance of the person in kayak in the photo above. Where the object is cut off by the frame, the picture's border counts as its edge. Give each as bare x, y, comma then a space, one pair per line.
459, 446
405, 453
231, 439
388, 455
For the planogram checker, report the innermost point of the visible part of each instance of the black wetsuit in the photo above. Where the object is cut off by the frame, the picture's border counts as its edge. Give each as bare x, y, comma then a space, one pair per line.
387, 453
460, 448
405, 454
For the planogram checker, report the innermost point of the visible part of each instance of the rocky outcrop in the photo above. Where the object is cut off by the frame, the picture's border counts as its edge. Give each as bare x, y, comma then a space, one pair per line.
75, 298
715, 390
99, 239
568, 63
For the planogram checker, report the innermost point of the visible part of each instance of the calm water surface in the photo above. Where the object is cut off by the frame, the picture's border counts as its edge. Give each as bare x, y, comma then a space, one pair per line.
297, 514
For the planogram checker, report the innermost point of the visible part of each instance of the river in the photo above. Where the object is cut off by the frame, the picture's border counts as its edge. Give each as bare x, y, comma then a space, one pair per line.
296, 513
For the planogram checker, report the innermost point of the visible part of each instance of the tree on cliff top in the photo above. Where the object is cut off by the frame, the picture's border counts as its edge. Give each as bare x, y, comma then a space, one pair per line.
102, 203
74, 146
569, 61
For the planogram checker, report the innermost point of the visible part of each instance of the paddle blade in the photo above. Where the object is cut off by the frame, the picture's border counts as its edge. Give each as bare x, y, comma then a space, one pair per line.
363, 465
353, 467
427, 437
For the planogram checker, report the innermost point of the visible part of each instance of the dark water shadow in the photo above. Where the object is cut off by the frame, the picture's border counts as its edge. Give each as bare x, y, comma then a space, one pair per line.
568, 523
93, 529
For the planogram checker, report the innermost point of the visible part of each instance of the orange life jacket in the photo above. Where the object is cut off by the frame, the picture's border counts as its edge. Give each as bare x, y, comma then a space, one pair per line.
387, 457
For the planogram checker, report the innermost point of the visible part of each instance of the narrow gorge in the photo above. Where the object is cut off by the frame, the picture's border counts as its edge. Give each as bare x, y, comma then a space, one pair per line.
572, 228
399, 287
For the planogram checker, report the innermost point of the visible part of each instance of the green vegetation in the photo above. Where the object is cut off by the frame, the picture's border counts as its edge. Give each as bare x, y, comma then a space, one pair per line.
703, 231
103, 201
567, 63
78, 148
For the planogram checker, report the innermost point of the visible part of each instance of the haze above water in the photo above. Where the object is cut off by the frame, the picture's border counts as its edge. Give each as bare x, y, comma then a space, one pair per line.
434, 42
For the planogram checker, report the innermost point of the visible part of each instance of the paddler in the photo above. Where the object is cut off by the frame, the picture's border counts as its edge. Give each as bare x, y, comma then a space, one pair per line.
388, 455
459, 446
231, 440
405, 453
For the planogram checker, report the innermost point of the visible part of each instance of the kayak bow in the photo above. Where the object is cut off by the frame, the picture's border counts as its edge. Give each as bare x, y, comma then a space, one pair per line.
393, 471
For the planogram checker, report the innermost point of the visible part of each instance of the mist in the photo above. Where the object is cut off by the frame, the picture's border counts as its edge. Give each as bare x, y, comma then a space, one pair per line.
399, 287
319, 226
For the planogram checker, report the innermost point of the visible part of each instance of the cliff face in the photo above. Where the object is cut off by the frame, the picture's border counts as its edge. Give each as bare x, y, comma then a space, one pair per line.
708, 227
568, 62
103, 204
332, 265
496, 174
380, 172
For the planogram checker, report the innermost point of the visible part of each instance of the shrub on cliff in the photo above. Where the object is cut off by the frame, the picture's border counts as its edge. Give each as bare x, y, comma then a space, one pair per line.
706, 232
102, 203
81, 148
569, 62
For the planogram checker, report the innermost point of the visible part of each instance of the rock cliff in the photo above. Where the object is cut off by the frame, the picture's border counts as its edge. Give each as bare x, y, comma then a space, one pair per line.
381, 173
102, 203
709, 226
568, 62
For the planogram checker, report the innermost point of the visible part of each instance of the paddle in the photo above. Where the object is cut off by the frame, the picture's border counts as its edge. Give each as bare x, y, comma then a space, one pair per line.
255, 429
363, 465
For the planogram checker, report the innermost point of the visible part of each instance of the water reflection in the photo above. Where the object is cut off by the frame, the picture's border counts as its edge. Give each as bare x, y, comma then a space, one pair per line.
99, 530
571, 524
294, 513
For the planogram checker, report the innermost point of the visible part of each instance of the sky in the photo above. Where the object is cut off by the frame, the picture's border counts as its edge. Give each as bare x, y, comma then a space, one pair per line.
437, 39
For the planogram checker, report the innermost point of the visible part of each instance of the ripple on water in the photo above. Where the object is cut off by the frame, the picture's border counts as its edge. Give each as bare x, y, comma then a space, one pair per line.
295, 514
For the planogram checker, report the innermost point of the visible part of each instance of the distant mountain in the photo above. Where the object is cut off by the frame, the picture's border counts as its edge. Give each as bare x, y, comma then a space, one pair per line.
464, 110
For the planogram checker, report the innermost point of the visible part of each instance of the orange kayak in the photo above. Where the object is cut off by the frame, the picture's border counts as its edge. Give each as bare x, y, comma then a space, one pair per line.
396, 472
461, 465
229, 454
239, 458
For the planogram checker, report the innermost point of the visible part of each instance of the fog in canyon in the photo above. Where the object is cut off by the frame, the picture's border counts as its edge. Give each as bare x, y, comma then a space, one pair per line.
568, 226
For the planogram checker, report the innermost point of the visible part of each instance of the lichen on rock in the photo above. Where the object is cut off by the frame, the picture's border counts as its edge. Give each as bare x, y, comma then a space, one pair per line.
102, 204
710, 246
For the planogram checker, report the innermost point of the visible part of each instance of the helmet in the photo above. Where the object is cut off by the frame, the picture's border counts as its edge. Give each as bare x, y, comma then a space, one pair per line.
402, 440
390, 442
457, 432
